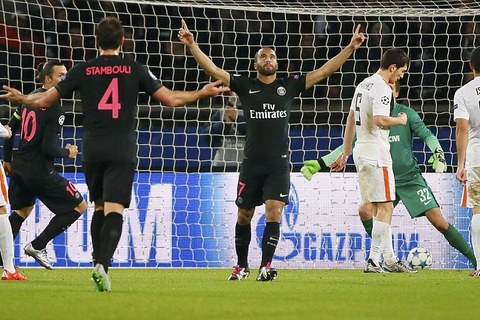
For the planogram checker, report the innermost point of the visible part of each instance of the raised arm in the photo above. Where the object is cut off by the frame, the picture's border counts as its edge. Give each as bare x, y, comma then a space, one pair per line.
37, 100
186, 37
336, 62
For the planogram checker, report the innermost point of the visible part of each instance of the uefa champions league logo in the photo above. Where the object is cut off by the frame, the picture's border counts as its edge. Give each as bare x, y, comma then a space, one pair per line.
291, 210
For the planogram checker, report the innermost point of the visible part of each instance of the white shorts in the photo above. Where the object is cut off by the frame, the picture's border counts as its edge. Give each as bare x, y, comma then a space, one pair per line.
377, 184
3, 187
471, 194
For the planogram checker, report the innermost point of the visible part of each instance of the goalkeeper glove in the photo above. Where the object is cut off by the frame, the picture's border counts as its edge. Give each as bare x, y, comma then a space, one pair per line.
438, 161
310, 167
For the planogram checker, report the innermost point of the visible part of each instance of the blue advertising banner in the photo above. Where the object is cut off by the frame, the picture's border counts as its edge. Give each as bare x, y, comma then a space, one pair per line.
188, 220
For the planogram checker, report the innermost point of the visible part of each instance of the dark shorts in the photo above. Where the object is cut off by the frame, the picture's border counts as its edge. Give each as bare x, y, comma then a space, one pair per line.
416, 196
54, 191
262, 180
110, 181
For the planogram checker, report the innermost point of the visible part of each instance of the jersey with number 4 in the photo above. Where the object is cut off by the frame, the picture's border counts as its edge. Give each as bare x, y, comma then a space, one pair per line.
373, 97
108, 86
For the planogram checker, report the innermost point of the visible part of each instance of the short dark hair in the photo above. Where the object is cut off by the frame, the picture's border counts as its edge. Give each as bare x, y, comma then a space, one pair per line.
475, 59
46, 69
394, 56
255, 57
109, 33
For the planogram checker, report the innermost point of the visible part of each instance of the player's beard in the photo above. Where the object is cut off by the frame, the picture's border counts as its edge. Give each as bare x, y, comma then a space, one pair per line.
267, 72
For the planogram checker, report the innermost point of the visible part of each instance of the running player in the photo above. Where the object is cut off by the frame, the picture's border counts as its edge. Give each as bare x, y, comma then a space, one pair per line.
109, 87
265, 170
32, 172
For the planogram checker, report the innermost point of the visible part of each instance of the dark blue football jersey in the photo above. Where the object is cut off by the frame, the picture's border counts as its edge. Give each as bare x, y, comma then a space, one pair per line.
108, 86
39, 134
267, 112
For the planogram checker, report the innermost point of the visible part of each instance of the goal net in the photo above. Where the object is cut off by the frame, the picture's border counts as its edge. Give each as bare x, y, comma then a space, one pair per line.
183, 212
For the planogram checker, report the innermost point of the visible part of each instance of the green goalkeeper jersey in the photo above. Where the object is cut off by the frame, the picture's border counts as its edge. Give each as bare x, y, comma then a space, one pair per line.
405, 165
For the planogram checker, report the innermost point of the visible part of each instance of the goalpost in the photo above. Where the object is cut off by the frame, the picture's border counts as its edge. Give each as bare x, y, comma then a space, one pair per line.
183, 212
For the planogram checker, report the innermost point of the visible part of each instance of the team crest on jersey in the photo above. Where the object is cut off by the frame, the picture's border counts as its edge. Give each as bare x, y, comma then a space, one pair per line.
61, 120
281, 91
385, 100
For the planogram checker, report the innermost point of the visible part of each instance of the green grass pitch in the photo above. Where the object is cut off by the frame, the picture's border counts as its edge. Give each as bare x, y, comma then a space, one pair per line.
205, 294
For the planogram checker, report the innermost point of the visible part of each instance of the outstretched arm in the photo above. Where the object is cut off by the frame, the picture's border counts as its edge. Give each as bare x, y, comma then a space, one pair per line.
336, 62
175, 98
310, 167
37, 100
186, 37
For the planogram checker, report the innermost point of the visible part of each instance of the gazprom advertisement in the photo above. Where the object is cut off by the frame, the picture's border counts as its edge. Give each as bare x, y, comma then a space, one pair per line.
188, 220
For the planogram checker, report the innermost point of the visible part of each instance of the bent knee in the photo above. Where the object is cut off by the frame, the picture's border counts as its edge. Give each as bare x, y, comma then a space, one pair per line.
245, 216
366, 211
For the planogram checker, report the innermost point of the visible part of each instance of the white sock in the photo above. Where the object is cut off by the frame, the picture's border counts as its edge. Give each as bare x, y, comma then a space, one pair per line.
475, 230
389, 256
6, 243
378, 235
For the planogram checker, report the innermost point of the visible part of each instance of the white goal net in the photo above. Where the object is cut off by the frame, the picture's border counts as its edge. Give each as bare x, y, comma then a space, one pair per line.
183, 213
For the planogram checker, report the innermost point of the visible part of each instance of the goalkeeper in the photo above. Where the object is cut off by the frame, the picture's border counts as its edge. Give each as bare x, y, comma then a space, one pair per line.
410, 185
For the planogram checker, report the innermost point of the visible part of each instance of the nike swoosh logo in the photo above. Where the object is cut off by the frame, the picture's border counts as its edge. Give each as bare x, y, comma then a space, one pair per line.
283, 195
427, 202
253, 91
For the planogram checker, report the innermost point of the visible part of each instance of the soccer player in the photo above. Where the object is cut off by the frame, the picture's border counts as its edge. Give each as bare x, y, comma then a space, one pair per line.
265, 170
410, 187
32, 172
109, 87
466, 114
370, 117
6, 237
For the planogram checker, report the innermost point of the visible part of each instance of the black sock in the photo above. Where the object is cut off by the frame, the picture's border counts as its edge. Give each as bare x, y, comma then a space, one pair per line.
95, 230
243, 235
271, 234
16, 223
109, 237
57, 225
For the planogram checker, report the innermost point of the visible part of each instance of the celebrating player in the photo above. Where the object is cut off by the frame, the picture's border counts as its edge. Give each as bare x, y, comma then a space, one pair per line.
466, 114
410, 186
109, 87
32, 172
265, 170
370, 116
